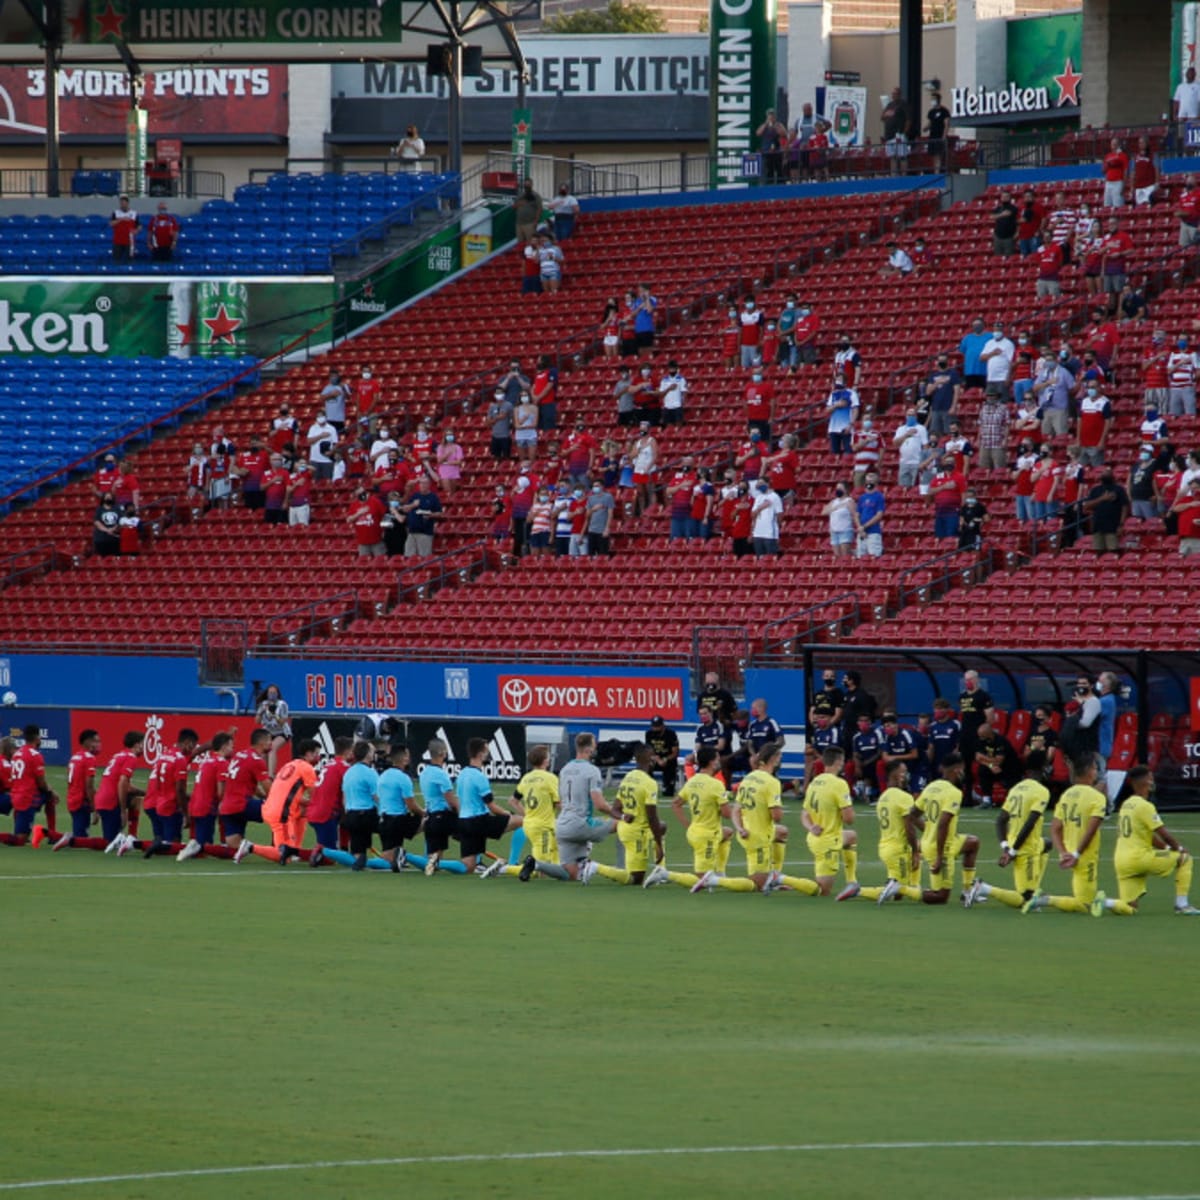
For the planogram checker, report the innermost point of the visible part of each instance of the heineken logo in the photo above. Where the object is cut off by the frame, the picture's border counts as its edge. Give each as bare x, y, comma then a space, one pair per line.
989, 102
50, 332
367, 306
742, 73
158, 21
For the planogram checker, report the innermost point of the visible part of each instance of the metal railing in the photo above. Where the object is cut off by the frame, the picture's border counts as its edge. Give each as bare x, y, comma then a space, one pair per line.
328, 614
804, 626
420, 581
224, 644
34, 183
931, 580
28, 564
1012, 149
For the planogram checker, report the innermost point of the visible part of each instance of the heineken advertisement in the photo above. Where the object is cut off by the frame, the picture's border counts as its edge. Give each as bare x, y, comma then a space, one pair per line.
134, 318
1185, 21
403, 279
742, 68
522, 141
136, 151
141, 22
1045, 73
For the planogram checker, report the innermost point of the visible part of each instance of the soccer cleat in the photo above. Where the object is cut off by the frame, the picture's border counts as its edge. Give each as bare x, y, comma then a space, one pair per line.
152, 849
849, 891
525, 874
587, 872
773, 883
359, 863
285, 855
127, 844
1187, 911
401, 860
62, 843
1096, 908
431, 864
38, 836
115, 844
1032, 905
244, 848
891, 890
492, 869
656, 875
706, 882
189, 851
971, 895
315, 859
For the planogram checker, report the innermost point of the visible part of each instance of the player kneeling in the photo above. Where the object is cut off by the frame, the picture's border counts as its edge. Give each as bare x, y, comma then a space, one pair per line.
899, 850
706, 800
938, 807
480, 818
827, 811
639, 829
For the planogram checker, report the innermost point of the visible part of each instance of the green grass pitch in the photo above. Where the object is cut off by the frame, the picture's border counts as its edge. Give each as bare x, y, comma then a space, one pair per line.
167, 1018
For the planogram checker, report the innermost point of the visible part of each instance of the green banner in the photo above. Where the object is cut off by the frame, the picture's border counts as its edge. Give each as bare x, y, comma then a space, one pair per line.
150, 22
1046, 53
522, 141
742, 88
1185, 16
135, 151
130, 318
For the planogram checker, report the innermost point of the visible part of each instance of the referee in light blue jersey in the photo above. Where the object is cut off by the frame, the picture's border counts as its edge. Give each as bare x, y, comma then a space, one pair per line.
360, 817
480, 818
400, 816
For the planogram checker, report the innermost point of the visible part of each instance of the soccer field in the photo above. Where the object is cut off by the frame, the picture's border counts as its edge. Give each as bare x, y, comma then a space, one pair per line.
205, 1030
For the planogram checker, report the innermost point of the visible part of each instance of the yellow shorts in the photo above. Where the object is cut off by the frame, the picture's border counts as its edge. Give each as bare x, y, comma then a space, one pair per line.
638, 843
943, 881
827, 854
543, 845
897, 865
705, 844
1028, 870
758, 854
1134, 869
1083, 880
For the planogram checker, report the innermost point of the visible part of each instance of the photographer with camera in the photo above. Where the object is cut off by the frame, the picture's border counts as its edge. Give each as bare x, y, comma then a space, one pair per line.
273, 716
410, 148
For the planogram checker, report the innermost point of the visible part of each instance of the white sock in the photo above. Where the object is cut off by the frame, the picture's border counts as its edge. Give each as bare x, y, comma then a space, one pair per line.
985, 890
1182, 902
1110, 904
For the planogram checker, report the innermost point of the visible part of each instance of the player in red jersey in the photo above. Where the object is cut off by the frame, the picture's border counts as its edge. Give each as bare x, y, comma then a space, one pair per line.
116, 796
206, 799
81, 789
28, 790
325, 807
7, 749
168, 777
246, 781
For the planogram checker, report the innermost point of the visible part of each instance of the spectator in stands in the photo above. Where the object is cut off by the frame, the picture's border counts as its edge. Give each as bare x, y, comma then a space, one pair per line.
531, 267
993, 432
1144, 174
1143, 501
1187, 209
107, 475
843, 405
943, 386
867, 447
1155, 434
623, 394
1182, 365
772, 141
163, 234
610, 328
803, 127
672, 391
601, 505
704, 500
551, 263
197, 473
299, 495
996, 763
525, 427
565, 208
1095, 424
1185, 104
643, 452
1059, 226
1155, 379
450, 457
751, 320
393, 525
130, 537
1133, 307
527, 209
1108, 506
768, 508
367, 394
502, 515
275, 489
922, 257
123, 221
250, 467
1101, 338
1117, 248
912, 438
127, 489
422, 511
749, 456
840, 513
533, 514
959, 448
869, 507
847, 362
500, 418
284, 429
971, 347
514, 381
896, 131
322, 437
1027, 421
1074, 475
1050, 263
333, 396
678, 495
1022, 475
1089, 254
818, 150
645, 306
760, 404
1046, 477
937, 125
646, 400
804, 336
971, 521
1186, 511
1030, 218
410, 148
997, 359
1116, 168
384, 450
1004, 226
898, 262
1052, 386
582, 451
946, 490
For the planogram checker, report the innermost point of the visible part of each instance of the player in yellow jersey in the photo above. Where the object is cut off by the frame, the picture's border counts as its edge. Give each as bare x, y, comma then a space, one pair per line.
1028, 851
899, 850
937, 807
757, 812
1075, 832
827, 811
537, 790
1145, 847
639, 829
706, 801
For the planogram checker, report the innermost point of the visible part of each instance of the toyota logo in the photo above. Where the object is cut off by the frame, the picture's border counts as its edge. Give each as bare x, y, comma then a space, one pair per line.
517, 695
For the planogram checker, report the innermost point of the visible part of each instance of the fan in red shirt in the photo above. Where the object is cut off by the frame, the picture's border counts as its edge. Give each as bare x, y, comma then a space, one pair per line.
782, 466
367, 394
1102, 338
1187, 513
251, 466
206, 799
1145, 174
164, 234
325, 807
357, 462
770, 344
81, 788
366, 515
947, 488
1154, 371
275, 488
1188, 212
116, 797
581, 449
731, 340
168, 780
749, 457
284, 430
1030, 216
28, 791
805, 331
246, 782
742, 521
1118, 246
1050, 264
107, 476
1116, 167
760, 399
545, 393
678, 493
